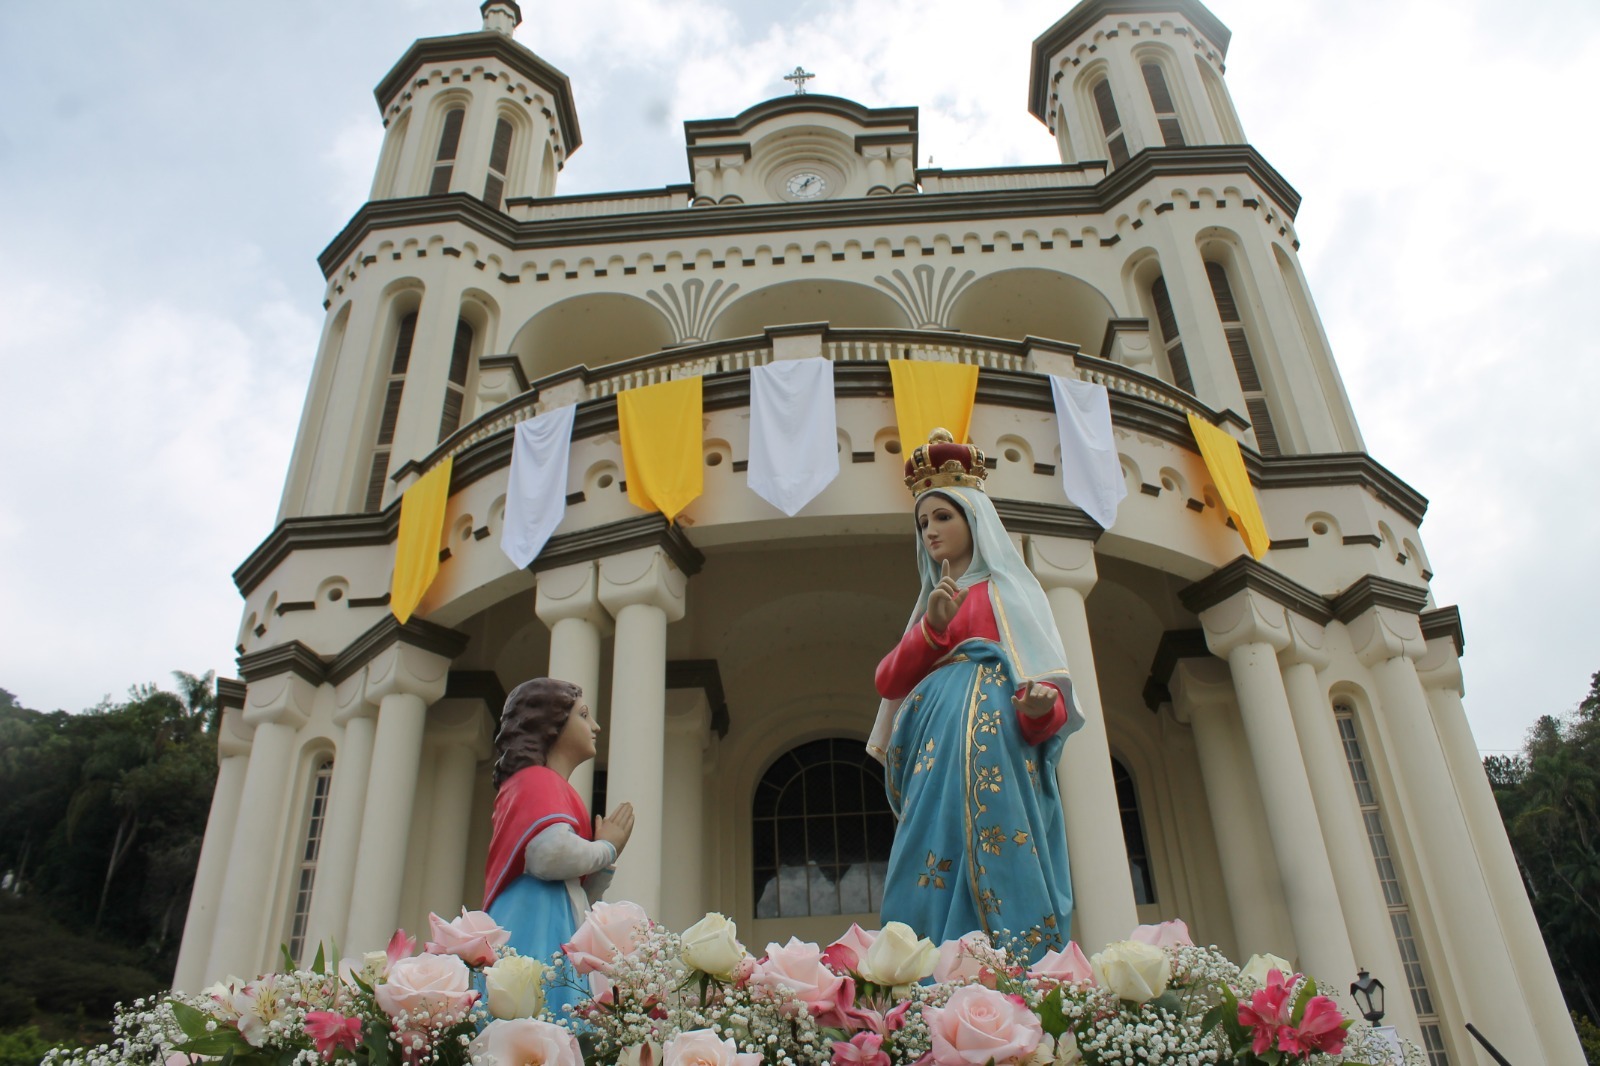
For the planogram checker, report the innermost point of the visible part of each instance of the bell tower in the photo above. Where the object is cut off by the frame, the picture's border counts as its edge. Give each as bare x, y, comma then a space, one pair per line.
476, 113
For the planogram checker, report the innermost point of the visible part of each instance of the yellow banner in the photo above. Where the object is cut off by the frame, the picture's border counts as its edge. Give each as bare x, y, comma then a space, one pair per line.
662, 441
929, 395
416, 552
1226, 465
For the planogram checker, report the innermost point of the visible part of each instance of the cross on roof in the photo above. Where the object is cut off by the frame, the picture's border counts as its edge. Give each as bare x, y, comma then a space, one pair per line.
799, 77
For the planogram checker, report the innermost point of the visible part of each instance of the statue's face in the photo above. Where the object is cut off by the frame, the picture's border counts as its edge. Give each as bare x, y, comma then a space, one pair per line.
944, 532
577, 737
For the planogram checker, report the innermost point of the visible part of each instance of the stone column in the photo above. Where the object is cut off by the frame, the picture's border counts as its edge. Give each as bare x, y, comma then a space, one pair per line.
233, 760
1440, 672
1133, 101
688, 732
465, 735
1386, 639
277, 707
568, 601
347, 799
1248, 630
644, 591
403, 680
1366, 913
1203, 698
1102, 888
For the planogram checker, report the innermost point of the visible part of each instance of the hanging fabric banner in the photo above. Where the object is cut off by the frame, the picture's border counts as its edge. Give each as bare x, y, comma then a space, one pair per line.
1226, 466
1091, 474
662, 441
929, 395
416, 552
536, 492
794, 432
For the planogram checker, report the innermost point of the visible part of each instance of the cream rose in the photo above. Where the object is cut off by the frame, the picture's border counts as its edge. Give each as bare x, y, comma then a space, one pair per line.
702, 1047
609, 930
645, 1054
472, 937
525, 1042
427, 988
515, 987
979, 1025
897, 957
1132, 971
1255, 971
712, 946
1052, 1051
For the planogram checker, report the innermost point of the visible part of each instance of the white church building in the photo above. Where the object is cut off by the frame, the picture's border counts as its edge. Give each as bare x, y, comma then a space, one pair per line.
1276, 750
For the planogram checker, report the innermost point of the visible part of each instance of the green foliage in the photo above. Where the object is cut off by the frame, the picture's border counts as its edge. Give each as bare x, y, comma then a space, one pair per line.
1589, 1037
22, 1047
1549, 797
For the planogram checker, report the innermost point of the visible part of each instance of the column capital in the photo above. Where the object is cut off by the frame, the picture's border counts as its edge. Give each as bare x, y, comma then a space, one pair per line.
1200, 686
689, 715
350, 698
1306, 642
643, 576
1379, 634
233, 738
571, 592
1062, 562
1246, 617
279, 699
1439, 666
405, 668
465, 722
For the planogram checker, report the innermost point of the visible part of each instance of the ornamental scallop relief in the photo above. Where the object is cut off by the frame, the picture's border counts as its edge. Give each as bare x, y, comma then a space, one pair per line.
926, 297
692, 307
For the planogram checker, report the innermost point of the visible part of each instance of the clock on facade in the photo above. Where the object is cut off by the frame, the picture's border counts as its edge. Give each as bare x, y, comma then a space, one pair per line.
806, 185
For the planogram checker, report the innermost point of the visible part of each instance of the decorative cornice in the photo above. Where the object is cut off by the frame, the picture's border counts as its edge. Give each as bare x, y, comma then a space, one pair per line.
1046, 519
477, 685
1339, 468
1082, 18
703, 674
478, 45
697, 130
614, 538
872, 211
1373, 591
507, 362
1175, 644
1245, 574
1444, 622
230, 694
291, 657
320, 531
418, 633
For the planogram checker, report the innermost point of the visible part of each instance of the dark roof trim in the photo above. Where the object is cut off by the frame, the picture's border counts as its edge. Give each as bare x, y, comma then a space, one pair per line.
230, 694
1244, 573
480, 45
321, 531
1082, 18
705, 675
875, 211
477, 685
292, 657
1340, 468
1444, 622
816, 103
1372, 591
1046, 519
1175, 644
579, 198
614, 538
418, 633
506, 362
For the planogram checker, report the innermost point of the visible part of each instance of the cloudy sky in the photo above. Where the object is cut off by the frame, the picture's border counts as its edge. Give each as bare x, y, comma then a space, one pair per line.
169, 170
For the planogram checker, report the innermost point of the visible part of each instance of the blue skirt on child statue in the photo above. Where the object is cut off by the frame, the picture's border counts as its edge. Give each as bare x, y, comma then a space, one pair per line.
540, 918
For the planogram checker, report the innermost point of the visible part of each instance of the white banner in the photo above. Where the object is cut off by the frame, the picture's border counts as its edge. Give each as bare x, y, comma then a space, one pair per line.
1091, 474
794, 434
536, 494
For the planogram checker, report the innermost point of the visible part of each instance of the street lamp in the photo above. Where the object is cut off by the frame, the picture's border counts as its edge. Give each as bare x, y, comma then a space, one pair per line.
1367, 991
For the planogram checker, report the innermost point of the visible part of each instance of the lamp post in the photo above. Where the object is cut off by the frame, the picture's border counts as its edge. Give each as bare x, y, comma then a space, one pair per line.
1367, 991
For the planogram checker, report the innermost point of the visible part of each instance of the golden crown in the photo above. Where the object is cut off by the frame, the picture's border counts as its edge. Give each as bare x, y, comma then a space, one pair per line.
942, 463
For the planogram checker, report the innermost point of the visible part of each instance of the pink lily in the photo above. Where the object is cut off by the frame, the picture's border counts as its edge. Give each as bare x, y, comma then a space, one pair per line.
330, 1032
1266, 1012
1322, 1028
863, 1049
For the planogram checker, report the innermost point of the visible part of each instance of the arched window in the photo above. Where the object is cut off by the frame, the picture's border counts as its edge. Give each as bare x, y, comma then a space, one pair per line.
822, 830
1110, 123
310, 845
1144, 886
394, 388
449, 141
494, 187
1171, 343
455, 389
1155, 79
1244, 363
1393, 892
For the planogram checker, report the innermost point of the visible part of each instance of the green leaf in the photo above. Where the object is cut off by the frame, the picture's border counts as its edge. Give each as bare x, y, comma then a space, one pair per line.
1051, 1017
1212, 1019
320, 963
288, 960
190, 1020
1307, 990
223, 1041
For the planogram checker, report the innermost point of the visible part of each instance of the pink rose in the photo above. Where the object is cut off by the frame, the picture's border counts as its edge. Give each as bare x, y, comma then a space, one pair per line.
525, 1042
979, 1025
611, 930
965, 959
427, 989
702, 1047
1322, 1028
1064, 967
847, 952
471, 937
863, 1049
796, 969
1173, 934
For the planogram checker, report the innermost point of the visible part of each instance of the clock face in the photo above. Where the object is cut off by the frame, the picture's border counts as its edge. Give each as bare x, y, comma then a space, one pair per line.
806, 185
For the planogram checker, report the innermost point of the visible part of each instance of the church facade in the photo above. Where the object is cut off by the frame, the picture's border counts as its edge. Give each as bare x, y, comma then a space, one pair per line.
1276, 750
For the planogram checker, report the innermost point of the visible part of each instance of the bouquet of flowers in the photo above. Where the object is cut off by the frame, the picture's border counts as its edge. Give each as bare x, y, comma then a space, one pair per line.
652, 997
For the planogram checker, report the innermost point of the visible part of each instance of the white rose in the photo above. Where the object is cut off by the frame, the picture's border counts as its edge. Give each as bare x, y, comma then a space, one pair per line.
516, 987
1255, 971
1056, 1051
712, 946
897, 957
1132, 971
